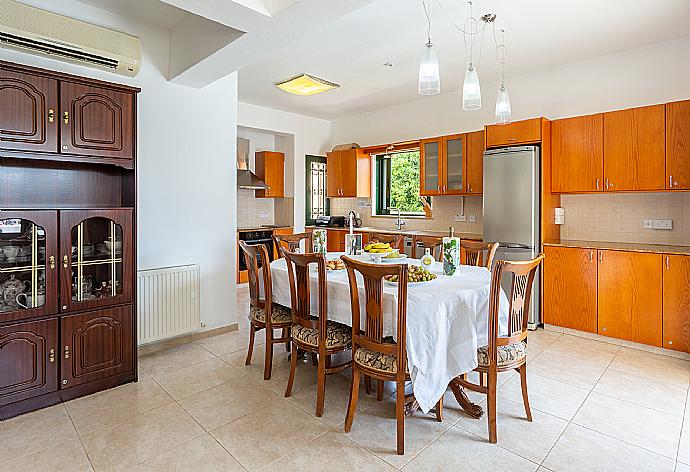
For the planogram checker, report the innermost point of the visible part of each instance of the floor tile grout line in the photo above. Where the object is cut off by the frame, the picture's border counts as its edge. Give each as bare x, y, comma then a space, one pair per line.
656, 410
81, 441
295, 450
682, 428
570, 422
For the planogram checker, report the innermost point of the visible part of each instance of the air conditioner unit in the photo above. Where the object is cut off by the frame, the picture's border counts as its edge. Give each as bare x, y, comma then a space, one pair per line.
37, 31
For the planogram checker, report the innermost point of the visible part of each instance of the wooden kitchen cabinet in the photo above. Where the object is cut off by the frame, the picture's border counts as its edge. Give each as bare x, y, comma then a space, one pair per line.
570, 288
280, 231
577, 154
28, 360
442, 165
348, 174
511, 134
634, 149
676, 325
96, 121
474, 172
630, 296
28, 112
96, 345
430, 166
335, 240
678, 145
270, 167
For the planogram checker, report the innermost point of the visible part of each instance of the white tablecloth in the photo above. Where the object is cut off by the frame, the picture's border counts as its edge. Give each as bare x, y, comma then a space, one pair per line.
447, 319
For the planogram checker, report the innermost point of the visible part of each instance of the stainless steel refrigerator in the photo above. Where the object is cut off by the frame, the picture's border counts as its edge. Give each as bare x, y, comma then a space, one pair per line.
512, 209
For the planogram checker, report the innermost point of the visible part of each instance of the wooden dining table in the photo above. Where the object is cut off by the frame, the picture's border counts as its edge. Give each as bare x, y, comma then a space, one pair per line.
447, 319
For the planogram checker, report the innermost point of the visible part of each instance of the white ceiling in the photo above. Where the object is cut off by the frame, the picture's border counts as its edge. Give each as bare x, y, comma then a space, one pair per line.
352, 50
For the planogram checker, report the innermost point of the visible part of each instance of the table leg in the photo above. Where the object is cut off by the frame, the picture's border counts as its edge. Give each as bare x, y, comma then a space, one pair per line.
472, 409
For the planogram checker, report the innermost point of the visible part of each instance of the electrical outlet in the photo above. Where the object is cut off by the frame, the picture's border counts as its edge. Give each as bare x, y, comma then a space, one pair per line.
663, 224
263, 214
460, 217
473, 218
648, 224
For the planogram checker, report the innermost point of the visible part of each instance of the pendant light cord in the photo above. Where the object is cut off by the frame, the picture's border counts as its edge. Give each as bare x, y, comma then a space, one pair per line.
428, 20
500, 53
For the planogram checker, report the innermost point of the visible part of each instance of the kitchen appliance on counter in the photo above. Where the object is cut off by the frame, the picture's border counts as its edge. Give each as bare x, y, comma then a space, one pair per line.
330, 221
253, 238
512, 209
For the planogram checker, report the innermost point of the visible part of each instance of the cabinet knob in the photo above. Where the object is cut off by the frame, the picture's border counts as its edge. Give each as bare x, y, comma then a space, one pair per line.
64, 307
603, 329
65, 117
469, 188
64, 381
51, 356
51, 260
65, 261
66, 352
51, 115
670, 343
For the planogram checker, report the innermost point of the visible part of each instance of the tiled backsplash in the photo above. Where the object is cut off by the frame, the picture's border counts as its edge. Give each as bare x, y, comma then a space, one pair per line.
249, 208
284, 211
444, 210
618, 217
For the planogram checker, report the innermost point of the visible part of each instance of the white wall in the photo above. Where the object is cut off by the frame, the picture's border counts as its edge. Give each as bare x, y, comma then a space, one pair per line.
311, 136
654, 74
186, 163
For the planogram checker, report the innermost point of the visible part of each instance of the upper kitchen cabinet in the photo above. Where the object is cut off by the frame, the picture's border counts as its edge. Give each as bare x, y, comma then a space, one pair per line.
577, 154
53, 116
270, 167
348, 174
475, 162
96, 121
517, 132
678, 145
28, 112
634, 149
430, 166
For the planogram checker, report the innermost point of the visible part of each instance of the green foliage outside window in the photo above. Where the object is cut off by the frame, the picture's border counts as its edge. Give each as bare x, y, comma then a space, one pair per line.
399, 183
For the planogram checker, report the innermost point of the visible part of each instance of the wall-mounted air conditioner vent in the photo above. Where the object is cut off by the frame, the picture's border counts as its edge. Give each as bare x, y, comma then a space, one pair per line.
30, 29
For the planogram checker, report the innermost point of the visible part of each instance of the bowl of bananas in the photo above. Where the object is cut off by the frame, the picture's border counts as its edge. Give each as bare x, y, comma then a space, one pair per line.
377, 250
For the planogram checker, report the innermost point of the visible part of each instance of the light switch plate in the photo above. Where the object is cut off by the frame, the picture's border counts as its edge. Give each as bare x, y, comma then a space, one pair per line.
473, 218
459, 217
648, 224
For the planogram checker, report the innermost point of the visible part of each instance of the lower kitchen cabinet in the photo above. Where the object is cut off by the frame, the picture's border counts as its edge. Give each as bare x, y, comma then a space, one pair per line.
630, 296
96, 345
335, 240
676, 327
570, 288
28, 364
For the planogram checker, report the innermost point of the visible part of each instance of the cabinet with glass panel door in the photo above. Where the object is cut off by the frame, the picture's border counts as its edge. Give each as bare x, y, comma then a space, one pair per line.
96, 258
442, 165
28, 273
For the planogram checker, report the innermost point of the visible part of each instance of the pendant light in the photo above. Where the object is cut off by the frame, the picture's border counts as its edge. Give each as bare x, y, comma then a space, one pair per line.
503, 110
429, 73
471, 91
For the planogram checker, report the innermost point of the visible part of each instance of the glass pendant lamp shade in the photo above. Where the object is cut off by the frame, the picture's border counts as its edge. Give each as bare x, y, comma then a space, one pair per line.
429, 75
503, 106
471, 92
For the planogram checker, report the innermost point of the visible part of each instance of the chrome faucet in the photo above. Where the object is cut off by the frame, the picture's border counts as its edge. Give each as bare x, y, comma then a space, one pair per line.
399, 222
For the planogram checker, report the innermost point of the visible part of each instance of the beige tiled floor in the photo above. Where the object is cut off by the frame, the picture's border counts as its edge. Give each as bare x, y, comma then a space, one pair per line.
596, 407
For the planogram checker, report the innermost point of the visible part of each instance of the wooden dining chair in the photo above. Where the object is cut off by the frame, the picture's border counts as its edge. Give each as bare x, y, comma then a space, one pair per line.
291, 242
373, 355
395, 240
433, 243
256, 258
504, 353
477, 253
314, 334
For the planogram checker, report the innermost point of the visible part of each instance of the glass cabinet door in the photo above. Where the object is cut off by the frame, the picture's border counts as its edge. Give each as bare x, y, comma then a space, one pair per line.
97, 253
28, 276
453, 164
430, 166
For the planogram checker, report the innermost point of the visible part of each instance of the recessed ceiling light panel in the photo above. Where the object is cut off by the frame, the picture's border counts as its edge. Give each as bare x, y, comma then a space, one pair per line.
305, 84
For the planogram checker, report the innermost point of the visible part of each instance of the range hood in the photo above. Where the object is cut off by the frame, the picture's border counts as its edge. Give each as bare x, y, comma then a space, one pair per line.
246, 178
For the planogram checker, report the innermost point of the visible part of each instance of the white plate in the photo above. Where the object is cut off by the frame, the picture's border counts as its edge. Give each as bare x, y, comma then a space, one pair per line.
413, 284
397, 259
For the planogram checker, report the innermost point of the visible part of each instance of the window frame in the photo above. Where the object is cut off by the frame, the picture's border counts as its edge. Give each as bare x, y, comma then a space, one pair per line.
381, 176
308, 160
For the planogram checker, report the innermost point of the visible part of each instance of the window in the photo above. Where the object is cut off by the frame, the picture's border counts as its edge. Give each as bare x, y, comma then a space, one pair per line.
397, 183
315, 179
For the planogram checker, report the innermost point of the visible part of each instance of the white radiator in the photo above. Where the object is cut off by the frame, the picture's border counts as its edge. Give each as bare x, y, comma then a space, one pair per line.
167, 302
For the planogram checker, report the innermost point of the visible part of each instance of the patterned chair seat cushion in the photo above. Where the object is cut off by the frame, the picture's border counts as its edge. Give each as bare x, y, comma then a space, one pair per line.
374, 360
337, 335
281, 314
506, 354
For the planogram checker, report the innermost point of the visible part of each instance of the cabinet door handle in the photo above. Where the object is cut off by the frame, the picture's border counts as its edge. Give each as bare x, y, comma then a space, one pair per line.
65, 117
512, 139
597, 184
66, 352
65, 261
601, 257
469, 188
670, 181
51, 261
668, 262
591, 256
51, 356
51, 115
607, 184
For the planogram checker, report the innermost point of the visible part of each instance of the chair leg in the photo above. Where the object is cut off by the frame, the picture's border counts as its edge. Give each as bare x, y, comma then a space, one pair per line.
250, 351
439, 410
321, 386
525, 398
379, 390
314, 359
268, 364
352, 405
491, 404
293, 367
286, 333
400, 416
367, 384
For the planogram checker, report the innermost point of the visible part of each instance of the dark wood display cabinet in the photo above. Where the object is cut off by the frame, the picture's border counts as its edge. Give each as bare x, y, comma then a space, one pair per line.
67, 237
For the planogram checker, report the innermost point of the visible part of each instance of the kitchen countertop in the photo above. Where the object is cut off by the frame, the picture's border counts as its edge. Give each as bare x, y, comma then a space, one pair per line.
412, 232
261, 228
635, 247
